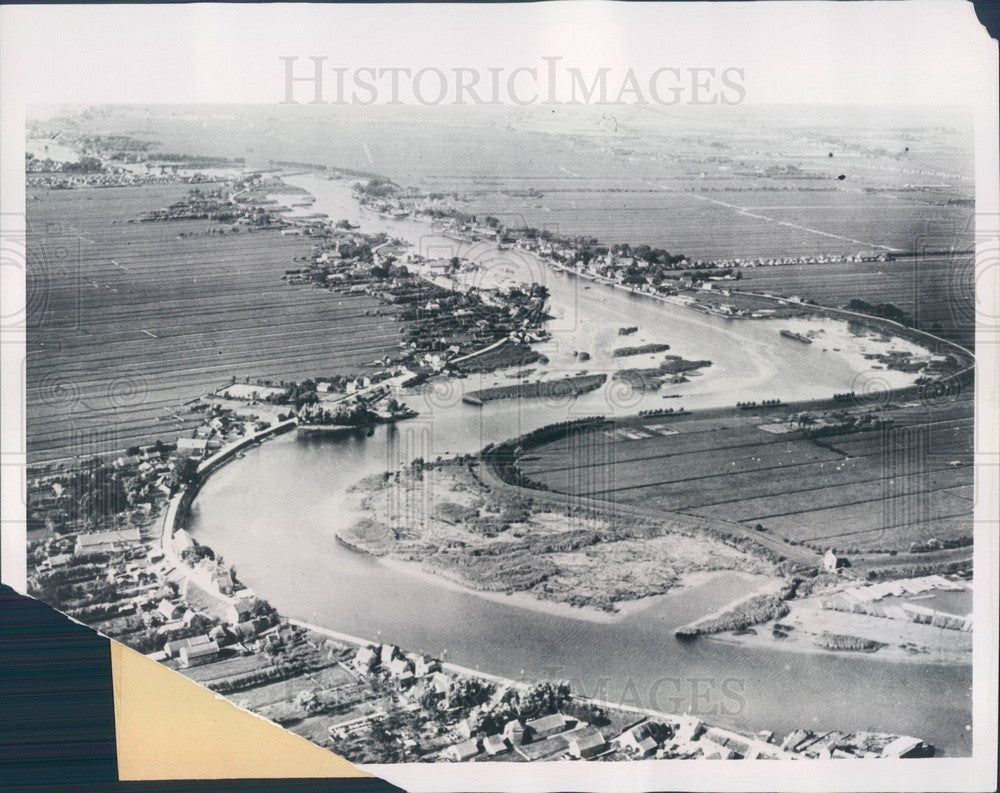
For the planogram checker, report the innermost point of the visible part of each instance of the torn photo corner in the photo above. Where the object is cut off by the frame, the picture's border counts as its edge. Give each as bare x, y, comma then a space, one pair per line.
596, 389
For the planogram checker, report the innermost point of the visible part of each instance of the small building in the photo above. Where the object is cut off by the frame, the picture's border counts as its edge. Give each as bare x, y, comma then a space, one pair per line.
59, 560
199, 654
239, 611
169, 610
365, 659
494, 744
463, 751
245, 631
905, 746
546, 726
172, 649
514, 731
397, 667
637, 742
104, 541
192, 447
467, 727
830, 561
424, 665
586, 742
221, 634
387, 653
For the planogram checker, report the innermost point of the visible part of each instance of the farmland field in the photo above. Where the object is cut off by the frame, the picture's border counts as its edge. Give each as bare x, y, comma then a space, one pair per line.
937, 292
867, 491
130, 320
761, 182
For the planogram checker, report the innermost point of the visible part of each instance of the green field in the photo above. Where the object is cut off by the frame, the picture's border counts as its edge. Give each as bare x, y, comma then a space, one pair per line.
877, 490
128, 320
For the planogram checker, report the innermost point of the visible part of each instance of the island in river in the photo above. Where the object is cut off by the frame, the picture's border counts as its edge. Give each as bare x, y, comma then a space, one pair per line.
503, 542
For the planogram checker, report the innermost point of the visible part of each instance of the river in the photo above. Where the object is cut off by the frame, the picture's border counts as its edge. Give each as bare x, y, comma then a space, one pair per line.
274, 514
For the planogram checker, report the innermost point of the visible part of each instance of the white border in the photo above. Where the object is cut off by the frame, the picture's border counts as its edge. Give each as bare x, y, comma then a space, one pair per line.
876, 52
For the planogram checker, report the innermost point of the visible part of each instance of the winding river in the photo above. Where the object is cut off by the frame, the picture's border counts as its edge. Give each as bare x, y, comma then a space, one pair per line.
274, 513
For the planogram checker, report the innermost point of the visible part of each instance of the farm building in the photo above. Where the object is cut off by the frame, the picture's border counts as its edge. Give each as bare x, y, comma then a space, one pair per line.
172, 649
463, 751
513, 730
546, 726
637, 742
494, 744
192, 447
199, 654
104, 541
586, 742
365, 659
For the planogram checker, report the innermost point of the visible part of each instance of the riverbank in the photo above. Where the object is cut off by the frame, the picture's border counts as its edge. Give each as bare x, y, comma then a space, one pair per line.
903, 641
522, 600
490, 541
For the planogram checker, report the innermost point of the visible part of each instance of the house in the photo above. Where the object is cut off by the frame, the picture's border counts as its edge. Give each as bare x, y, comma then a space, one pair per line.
387, 653
494, 744
424, 665
170, 611
104, 541
513, 731
172, 649
637, 742
830, 561
463, 751
59, 560
239, 611
467, 727
688, 729
192, 447
905, 746
365, 659
199, 654
397, 667
546, 726
585, 742
221, 635
248, 630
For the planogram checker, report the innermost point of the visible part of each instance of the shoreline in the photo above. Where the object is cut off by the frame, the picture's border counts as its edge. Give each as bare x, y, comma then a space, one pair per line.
892, 654
555, 608
807, 619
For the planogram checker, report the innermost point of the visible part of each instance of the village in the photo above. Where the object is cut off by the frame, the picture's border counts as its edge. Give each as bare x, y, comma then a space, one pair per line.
111, 548
123, 563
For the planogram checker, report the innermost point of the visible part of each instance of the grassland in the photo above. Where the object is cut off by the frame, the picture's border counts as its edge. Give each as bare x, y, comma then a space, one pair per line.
130, 320
871, 493
490, 540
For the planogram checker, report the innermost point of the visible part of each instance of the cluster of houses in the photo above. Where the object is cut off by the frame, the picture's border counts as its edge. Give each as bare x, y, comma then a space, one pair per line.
404, 668
533, 739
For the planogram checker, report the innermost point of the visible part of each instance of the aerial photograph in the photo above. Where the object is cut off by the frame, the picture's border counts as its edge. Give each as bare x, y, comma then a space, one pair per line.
472, 434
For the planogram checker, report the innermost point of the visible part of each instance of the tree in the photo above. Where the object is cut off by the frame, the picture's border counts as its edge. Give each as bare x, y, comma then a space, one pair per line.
187, 471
